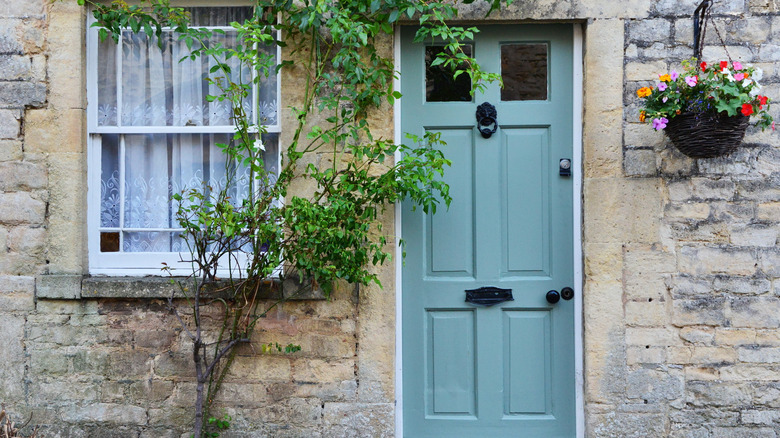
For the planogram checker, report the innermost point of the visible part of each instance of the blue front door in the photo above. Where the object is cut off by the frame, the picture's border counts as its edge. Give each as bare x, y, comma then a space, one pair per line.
505, 370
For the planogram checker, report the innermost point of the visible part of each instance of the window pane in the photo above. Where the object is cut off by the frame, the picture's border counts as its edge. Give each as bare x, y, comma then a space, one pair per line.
524, 71
154, 241
109, 181
218, 16
159, 90
440, 86
106, 66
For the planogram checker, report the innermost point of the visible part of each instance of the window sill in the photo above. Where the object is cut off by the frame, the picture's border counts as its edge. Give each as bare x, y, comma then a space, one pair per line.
75, 287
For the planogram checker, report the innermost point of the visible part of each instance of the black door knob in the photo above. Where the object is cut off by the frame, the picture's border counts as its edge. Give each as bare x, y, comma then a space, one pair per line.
553, 296
567, 293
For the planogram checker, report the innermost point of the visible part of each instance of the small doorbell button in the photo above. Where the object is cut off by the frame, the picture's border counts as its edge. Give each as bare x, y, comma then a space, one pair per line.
564, 167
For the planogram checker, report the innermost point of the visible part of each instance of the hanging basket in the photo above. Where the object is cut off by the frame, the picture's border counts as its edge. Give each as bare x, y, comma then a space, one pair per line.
706, 135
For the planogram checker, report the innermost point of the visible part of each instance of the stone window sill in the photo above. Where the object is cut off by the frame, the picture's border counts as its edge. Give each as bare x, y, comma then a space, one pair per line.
76, 287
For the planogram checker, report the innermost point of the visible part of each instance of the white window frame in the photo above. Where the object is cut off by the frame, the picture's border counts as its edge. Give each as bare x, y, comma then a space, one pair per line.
138, 263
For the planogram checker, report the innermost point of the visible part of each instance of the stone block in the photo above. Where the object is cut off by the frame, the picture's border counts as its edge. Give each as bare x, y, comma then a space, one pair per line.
691, 211
651, 337
753, 416
755, 312
646, 313
22, 94
609, 10
743, 432
690, 286
21, 208
645, 71
602, 143
9, 124
623, 211
16, 68
353, 420
27, 240
47, 130
11, 150
748, 373
717, 394
650, 30
22, 176
640, 162
653, 385
533, 9
628, 425
104, 413
716, 260
65, 287
317, 370
731, 336
756, 354
697, 335
685, 8
53, 362
701, 311
12, 372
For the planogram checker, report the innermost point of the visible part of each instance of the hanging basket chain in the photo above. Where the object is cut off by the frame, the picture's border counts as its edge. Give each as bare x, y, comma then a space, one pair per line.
722, 43
702, 16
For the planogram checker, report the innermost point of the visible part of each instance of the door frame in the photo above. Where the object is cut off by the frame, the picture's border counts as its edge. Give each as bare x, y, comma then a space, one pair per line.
577, 109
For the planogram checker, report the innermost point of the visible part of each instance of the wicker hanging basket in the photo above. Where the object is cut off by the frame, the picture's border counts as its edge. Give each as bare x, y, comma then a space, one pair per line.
706, 135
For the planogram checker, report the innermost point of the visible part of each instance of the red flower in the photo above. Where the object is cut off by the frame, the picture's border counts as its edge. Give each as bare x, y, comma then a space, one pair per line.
703, 66
747, 109
724, 64
762, 100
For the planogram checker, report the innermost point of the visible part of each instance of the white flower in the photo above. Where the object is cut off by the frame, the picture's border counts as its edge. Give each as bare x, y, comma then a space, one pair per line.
258, 145
755, 90
758, 74
727, 72
746, 82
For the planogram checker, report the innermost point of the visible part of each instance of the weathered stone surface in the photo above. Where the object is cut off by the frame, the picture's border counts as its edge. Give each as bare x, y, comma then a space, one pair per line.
22, 94
21, 208
59, 286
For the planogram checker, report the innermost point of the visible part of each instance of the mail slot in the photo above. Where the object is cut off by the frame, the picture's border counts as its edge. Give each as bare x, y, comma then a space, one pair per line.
488, 296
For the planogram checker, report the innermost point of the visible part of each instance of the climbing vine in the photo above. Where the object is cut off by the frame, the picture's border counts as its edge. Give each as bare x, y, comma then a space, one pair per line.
243, 247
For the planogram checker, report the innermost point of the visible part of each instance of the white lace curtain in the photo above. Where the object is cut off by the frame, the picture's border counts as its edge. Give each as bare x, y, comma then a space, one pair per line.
151, 87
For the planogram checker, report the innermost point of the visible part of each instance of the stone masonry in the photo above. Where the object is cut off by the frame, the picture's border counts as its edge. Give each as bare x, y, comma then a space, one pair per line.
681, 260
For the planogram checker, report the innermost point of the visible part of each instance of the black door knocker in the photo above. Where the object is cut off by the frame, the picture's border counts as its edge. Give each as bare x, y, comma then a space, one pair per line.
486, 116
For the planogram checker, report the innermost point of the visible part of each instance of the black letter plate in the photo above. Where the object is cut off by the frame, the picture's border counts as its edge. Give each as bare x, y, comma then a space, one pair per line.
488, 296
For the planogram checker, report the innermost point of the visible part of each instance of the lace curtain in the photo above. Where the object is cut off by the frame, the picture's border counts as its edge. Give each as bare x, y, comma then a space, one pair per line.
149, 86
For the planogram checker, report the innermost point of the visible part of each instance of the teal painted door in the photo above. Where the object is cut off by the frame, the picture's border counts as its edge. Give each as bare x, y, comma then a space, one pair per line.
507, 370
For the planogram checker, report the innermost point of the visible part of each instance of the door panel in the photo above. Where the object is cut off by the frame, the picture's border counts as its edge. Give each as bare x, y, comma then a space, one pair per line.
455, 257
526, 228
505, 370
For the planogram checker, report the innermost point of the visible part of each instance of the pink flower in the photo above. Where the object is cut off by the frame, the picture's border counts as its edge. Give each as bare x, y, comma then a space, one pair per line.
659, 124
674, 75
737, 65
691, 80
662, 86
739, 76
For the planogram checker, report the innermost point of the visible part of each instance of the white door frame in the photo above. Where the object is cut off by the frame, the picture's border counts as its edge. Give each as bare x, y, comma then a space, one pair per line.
577, 216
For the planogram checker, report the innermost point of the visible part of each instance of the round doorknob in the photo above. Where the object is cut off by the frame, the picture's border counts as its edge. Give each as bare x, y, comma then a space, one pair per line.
567, 293
553, 296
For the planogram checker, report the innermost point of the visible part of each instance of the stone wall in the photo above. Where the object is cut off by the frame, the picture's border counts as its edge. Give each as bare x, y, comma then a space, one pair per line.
681, 298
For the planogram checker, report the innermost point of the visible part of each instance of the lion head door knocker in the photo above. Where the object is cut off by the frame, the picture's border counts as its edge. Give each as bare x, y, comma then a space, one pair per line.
486, 119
